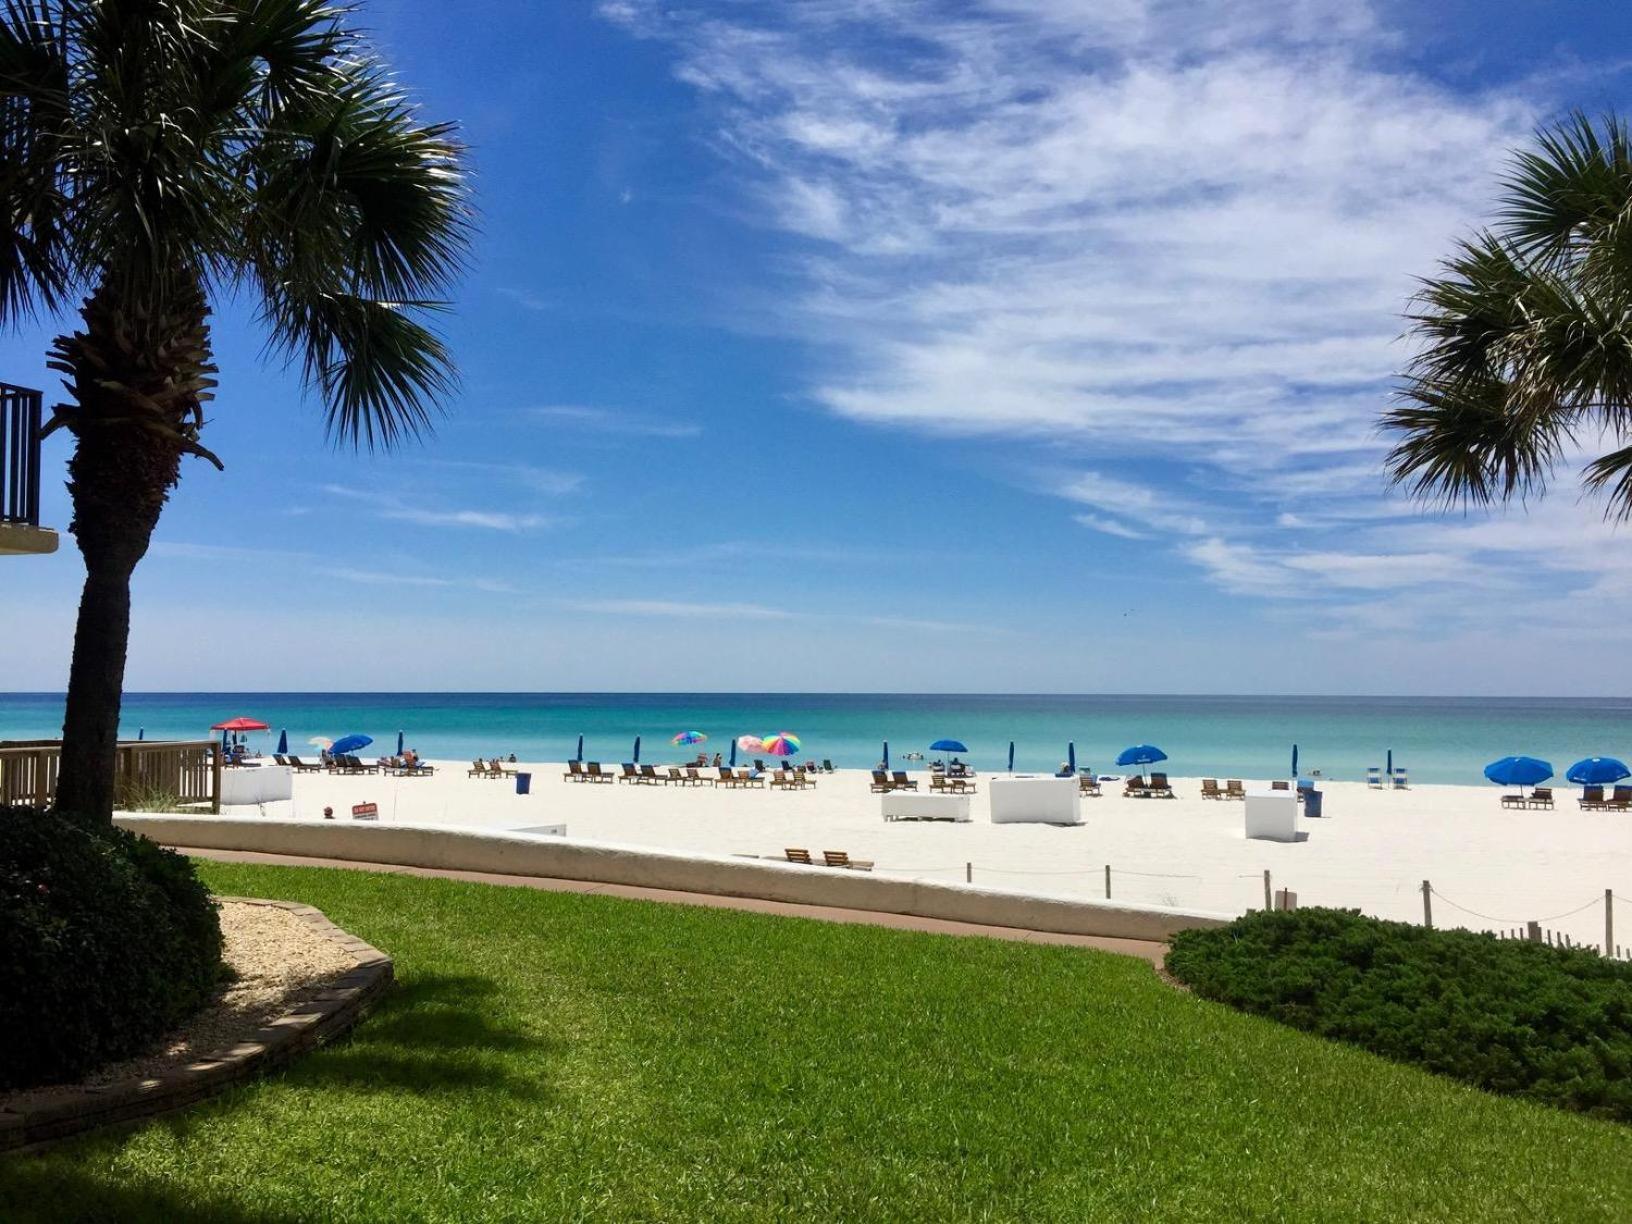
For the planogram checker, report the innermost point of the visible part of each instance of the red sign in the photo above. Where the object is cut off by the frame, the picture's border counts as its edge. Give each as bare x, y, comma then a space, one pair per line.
365, 811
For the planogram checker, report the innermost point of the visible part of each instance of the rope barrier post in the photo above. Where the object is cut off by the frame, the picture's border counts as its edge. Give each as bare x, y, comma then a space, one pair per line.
1532, 931
1268, 895
968, 873
1427, 905
1107, 881
1609, 921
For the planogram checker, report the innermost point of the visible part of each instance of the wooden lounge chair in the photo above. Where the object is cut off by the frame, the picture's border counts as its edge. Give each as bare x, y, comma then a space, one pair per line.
1280, 784
575, 772
1620, 800
677, 777
478, 769
881, 782
1135, 787
592, 771
629, 774
838, 858
780, 780
752, 777
302, 767
499, 769
697, 779
799, 856
1209, 789
1087, 784
1591, 797
1540, 797
1233, 789
650, 777
1515, 801
827, 765
355, 766
1159, 786
900, 781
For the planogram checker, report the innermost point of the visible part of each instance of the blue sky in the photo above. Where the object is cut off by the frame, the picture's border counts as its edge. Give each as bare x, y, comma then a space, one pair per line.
1011, 345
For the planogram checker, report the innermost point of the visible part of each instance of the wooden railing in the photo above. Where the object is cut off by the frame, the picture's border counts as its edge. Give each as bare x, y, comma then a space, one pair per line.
187, 772
19, 455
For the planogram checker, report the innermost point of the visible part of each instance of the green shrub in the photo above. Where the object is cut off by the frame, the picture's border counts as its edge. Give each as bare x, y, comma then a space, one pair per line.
1513, 1017
106, 941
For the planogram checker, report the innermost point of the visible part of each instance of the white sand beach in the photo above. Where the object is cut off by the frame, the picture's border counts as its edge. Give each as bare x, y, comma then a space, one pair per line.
1371, 850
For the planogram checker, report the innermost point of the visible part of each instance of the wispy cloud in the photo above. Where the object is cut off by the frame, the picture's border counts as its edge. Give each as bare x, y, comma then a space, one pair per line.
387, 578
549, 481
396, 509
613, 421
680, 609
221, 552
527, 299
1171, 235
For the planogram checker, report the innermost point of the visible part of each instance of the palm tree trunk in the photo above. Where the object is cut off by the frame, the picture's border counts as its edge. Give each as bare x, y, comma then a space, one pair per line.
137, 387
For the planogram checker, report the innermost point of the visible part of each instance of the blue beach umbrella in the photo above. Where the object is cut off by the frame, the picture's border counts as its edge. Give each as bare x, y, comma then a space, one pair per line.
733, 752
580, 755
637, 750
947, 745
1520, 771
399, 743
886, 754
283, 742
1141, 755
141, 732
349, 743
1011, 756
1294, 760
1071, 756
1390, 770
1596, 771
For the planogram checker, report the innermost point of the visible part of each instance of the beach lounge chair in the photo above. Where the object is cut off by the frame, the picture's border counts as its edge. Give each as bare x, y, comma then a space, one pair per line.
575, 772
780, 780
838, 858
592, 771
649, 776
1591, 797
1400, 781
827, 765
499, 770
676, 777
1374, 776
1159, 786
1540, 797
1087, 784
798, 856
1209, 789
881, 782
277, 759
900, 781
629, 774
1620, 800
478, 769
697, 779
1135, 787
1233, 789
1515, 801
1280, 784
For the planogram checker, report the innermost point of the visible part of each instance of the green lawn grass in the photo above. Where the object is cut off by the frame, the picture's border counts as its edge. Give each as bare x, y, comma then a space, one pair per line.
555, 1056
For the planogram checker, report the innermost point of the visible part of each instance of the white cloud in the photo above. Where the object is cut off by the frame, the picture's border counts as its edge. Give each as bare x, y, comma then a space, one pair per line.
386, 578
613, 422
400, 510
1168, 234
680, 609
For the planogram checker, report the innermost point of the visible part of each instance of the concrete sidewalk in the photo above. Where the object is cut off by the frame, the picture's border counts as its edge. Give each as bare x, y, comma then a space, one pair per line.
1145, 949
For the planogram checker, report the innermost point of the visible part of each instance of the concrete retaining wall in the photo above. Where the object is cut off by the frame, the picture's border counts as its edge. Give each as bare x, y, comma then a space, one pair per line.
464, 849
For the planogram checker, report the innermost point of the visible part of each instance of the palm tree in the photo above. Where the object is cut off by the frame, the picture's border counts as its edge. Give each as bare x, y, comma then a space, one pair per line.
1526, 334
156, 155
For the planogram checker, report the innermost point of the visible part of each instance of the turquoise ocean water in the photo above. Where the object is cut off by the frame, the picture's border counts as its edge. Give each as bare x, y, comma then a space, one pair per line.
1437, 739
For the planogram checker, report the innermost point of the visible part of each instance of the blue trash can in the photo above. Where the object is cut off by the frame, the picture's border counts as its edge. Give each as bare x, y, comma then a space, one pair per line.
1311, 802
524, 783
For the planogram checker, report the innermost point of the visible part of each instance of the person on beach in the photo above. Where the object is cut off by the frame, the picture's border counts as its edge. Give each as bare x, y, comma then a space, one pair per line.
717, 762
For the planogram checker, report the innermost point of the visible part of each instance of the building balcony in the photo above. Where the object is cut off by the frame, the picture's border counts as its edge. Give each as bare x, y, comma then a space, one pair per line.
20, 530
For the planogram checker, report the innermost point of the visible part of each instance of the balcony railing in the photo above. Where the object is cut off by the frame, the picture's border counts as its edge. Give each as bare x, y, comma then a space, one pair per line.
19, 456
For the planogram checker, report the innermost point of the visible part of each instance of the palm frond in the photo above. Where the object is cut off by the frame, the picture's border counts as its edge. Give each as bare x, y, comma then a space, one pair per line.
36, 266
1574, 181
1613, 470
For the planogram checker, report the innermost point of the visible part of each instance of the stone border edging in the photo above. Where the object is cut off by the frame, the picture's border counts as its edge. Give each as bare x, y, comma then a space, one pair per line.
329, 1014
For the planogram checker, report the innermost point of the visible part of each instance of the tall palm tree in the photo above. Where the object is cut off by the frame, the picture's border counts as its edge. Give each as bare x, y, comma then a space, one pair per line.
1526, 334
156, 155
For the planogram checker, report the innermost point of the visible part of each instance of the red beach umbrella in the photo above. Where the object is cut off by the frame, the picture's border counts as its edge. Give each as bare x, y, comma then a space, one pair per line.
241, 724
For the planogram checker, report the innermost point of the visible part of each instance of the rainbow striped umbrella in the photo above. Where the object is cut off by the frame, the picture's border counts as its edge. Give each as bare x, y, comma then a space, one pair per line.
782, 744
689, 737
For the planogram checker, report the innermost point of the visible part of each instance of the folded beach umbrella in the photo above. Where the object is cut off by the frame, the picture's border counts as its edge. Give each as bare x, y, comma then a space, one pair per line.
1011, 756
1596, 771
637, 750
580, 755
886, 754
399, 743
1071, 756
350, 743
782, 744
283, 741
948, 745
689, 737
1518, 771
1141, 755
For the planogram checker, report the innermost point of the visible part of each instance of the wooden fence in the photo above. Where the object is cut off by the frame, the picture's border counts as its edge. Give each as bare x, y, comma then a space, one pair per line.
187, 771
